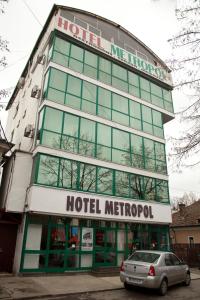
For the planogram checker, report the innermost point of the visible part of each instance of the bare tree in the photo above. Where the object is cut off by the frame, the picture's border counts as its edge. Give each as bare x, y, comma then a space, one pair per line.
186, 70
187, 199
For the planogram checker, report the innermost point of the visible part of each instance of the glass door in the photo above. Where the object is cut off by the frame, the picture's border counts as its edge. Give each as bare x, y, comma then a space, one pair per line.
105, 247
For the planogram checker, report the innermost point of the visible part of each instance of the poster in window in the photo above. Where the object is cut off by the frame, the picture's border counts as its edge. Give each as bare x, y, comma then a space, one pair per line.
87, 239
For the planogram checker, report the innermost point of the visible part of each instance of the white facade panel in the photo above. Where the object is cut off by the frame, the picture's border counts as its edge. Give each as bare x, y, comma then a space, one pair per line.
76, 204
20, 180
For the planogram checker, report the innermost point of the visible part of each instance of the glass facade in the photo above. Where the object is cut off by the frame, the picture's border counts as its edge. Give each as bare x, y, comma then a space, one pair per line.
92, 65
58, 244
62, 243
71, 91
68, 174
75, 134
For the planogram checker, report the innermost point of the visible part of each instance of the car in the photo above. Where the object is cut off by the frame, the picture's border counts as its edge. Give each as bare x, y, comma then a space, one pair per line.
154, 269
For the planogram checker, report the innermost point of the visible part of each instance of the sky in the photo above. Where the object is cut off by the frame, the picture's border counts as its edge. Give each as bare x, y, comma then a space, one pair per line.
152, 21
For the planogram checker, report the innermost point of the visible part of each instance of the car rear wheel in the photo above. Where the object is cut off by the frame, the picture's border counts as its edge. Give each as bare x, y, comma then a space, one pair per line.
127, 286
187, 279
163, 287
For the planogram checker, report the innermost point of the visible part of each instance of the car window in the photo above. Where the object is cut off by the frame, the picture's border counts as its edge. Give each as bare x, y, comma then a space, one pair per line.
175, 260
168, 261
171, 260
144, 257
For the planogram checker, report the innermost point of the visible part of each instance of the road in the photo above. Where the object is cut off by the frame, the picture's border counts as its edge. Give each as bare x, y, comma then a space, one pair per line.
178, 293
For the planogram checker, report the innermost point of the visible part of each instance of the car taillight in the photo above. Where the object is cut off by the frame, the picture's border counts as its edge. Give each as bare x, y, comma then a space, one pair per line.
152, 271
122, 267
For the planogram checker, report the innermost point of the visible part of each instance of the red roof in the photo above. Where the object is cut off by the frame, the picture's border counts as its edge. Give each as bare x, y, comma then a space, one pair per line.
187, 215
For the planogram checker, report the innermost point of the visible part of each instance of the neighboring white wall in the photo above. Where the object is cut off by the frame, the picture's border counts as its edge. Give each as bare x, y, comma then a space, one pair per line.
24, 109
19, 182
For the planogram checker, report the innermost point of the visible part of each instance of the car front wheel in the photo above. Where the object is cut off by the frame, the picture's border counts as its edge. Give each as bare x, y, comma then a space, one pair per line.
163, 287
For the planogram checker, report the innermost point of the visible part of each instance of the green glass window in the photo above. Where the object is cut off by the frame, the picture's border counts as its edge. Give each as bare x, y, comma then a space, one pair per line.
76, 52
62, 46
97, 67
104, 97
157, 118
68, 174
137, 158
120, 103
162, 191
121, 184
156, 90
46, 82
104, 135
48, 170
89, 91
149, 189
74, 86
58, 79
51, 139
87, 178
167, 95
53, 119
119, 72
120, 139
146, 114
91, 59
120, 84
144, 84
133, 79
87, 97
87, 130
104, 181
136, 186
71, 124
135, 109
105, 65
149, 154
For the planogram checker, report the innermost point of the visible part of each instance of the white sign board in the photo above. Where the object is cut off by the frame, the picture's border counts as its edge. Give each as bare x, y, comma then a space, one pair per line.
70, 203
87, 239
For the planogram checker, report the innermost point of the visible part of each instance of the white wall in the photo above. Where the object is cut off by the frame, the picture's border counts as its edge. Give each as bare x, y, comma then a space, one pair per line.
27, 105
19, 181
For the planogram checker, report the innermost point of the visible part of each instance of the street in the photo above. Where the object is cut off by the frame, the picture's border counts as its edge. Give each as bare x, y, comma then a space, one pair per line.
178, 292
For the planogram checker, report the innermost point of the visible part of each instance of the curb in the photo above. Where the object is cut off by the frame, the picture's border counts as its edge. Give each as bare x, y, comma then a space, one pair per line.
62, 295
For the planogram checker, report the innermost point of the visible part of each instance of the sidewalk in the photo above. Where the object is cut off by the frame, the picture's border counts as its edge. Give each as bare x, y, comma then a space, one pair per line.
22, 287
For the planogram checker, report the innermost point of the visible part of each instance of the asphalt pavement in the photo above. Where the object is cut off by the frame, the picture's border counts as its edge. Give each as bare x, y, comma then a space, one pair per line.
30, 287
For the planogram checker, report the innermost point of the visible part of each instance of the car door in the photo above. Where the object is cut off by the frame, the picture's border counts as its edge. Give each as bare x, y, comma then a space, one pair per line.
178, 267
169, 269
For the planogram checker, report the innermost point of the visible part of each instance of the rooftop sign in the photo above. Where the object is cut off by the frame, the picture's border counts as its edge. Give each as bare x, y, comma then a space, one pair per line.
111, 49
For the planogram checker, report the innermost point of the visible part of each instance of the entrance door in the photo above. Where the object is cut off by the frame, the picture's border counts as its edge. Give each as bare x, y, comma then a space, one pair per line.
105, 247
8, 234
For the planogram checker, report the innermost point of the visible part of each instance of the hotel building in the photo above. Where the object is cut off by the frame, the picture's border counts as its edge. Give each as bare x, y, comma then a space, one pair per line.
87, 177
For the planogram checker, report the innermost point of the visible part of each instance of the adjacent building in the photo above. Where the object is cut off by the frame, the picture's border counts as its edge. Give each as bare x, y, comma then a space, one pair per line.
89, 173
185, 233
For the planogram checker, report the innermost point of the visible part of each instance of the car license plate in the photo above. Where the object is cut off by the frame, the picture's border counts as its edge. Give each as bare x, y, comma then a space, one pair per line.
136, 281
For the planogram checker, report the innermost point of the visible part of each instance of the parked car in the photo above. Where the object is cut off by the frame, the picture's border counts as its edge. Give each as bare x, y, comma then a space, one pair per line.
154, 269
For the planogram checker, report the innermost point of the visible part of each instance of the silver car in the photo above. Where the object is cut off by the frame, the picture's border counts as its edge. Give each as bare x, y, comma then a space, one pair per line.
154, 269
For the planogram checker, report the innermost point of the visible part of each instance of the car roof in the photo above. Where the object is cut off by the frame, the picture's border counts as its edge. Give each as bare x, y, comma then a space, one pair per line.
153, 251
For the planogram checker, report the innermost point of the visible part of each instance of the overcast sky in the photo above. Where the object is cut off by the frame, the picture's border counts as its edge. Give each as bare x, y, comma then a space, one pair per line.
152, 21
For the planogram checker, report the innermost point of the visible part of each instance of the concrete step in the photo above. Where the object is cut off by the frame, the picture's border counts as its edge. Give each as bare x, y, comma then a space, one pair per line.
105, 271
